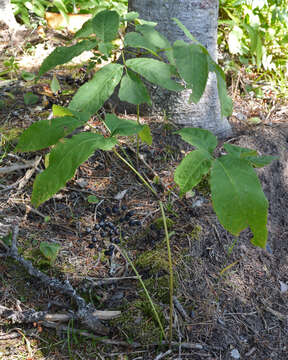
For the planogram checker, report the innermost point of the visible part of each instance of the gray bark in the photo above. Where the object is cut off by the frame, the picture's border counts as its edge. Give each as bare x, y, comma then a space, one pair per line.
7, 16
200, 17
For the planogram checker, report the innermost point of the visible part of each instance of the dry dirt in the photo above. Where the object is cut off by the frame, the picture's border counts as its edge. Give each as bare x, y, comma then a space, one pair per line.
234, 295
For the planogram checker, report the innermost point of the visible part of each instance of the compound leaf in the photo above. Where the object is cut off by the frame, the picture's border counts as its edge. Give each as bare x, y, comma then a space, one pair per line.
136, 40
45, 133
64, 54
105, 25
239, 151
260, 161
64, 159
156, 72
238, 198
145, 135
133, 90
200, 138
122, 127
158, 40
191, 170
226, 103
192, 65
92, 95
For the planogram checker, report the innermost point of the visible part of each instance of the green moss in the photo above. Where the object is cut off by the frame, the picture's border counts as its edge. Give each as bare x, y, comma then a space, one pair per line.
155, 259
160, 224
9, 135
138, 324
158, 288
195, 234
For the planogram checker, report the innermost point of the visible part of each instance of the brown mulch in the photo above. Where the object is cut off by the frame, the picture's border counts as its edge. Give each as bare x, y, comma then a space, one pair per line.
233, 294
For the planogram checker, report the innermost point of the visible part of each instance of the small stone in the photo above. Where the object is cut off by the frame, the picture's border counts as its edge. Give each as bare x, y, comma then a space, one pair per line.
235, 354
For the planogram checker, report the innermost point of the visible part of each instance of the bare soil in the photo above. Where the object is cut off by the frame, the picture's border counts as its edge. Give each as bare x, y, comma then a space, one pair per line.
233, 296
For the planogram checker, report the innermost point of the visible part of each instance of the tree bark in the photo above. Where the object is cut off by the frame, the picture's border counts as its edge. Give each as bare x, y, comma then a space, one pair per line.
200, 17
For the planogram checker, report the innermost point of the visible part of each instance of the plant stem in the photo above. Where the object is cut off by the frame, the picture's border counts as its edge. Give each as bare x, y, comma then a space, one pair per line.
137, 173
138, 121
170, 272
124, 253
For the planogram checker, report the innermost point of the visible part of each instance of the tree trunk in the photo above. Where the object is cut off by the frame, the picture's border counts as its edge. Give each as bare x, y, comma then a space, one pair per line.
7, 16
200, 17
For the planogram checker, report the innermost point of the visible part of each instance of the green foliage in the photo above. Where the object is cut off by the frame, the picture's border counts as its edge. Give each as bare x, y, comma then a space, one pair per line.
122, 127
195, 71
30, 98
155, 71
64, 159
62, 54
255, 34
238, 203
133, 90
27, 10
45, 133
49, 251
237, 196
92, 95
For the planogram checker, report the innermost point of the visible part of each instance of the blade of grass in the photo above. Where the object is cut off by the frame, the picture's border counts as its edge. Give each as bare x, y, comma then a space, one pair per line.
170, 272
125, 255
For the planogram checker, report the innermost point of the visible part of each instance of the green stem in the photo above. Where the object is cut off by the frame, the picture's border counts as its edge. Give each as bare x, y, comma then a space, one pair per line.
137, 150
145, 290
170, 272
137, 173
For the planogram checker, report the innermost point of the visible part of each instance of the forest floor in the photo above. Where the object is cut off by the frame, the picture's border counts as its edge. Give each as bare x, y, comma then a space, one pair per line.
230, 298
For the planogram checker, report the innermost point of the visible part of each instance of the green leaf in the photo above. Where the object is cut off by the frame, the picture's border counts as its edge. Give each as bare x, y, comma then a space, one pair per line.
45, 133
59, 111
185, 30
105, 48
145, 135
92, 199
55, 86
192, 65
155, 71
238, 199
200, 138
191, 170
157, 40
91, 96
130, 16
64, 54
85, 31
105, 25
225, 100
136, 40
260, 161
30, 98
49, 250
122, 127
27, 76
64, 159
238, 151
133, 90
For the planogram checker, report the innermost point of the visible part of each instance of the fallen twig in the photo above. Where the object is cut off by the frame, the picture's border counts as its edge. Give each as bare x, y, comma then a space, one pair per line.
86, 313
181, 310
16, 167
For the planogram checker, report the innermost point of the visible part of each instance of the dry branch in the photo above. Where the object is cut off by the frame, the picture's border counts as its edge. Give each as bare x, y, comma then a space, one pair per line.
86, 313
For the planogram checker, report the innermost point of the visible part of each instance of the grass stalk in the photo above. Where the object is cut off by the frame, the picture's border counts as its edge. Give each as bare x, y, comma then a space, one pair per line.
124, 253
137, 173
170, 272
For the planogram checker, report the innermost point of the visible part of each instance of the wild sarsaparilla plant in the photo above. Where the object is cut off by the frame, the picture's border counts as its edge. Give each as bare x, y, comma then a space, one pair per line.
237, 196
